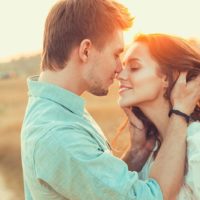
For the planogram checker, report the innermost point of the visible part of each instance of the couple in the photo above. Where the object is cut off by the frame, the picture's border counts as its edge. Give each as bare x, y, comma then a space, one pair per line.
65, 155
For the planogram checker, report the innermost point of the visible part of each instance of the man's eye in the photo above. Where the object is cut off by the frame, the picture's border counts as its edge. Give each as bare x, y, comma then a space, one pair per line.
116, 56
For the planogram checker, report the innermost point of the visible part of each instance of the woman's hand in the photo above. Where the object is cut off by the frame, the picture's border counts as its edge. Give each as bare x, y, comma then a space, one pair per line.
185, 96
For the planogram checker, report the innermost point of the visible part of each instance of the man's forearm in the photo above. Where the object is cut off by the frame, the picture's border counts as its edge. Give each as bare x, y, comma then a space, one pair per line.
135, 158
168, 168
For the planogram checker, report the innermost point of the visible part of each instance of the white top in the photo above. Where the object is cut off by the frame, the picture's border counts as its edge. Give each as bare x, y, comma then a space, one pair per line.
191, 187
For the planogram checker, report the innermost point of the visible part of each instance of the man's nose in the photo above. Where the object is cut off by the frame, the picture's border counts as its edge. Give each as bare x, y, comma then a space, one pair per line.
123, 75
118, 67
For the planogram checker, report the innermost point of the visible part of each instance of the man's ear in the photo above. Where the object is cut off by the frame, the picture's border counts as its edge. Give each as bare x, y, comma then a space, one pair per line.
84, 49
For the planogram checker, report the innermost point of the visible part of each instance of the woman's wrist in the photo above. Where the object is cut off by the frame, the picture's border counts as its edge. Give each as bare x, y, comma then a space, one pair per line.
182, 109
179, 113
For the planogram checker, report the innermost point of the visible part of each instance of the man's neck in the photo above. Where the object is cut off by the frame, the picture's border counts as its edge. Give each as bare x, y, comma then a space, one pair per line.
65, 78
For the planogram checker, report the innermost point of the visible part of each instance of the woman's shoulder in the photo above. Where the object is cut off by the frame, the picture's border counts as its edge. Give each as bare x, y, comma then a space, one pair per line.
194, 128
193, 160
193, 140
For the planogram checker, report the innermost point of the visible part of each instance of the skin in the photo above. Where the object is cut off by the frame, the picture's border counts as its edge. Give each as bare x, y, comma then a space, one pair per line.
143, 85
88, 68
104, 65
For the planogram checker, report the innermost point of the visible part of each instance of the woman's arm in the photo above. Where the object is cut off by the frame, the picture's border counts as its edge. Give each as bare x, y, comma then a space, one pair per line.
168, 168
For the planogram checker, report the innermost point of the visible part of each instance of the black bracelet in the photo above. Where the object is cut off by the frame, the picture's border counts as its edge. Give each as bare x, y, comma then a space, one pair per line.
177, 112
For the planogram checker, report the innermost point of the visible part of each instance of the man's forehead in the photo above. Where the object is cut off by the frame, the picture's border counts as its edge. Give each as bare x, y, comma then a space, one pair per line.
118, 39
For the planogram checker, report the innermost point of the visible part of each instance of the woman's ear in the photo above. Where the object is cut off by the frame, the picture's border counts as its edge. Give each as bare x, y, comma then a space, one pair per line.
84, 49
165, 81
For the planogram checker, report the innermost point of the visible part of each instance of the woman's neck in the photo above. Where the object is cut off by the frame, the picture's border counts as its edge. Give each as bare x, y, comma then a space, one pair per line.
157, 112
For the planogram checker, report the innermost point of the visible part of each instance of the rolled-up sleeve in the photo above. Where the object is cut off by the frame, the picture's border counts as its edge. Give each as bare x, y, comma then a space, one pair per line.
76, 167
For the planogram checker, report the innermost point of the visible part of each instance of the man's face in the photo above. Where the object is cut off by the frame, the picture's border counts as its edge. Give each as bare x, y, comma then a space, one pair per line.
105, 64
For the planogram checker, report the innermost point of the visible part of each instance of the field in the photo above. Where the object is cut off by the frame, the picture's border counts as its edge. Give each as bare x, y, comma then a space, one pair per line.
13, 99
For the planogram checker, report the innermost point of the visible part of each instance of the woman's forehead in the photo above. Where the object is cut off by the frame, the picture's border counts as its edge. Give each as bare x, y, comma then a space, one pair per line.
136, 51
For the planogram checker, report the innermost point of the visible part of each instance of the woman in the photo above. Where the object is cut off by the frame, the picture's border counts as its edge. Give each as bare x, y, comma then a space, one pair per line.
152, 66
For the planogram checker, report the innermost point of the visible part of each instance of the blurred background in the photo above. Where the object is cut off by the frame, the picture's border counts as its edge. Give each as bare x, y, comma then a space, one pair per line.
21, 34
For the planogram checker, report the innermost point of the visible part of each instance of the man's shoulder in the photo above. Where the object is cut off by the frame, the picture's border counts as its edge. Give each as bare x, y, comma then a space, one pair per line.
64, 142
64, 134
52, 134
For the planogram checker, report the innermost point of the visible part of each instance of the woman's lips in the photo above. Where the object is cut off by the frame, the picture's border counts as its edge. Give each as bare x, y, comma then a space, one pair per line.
124, 88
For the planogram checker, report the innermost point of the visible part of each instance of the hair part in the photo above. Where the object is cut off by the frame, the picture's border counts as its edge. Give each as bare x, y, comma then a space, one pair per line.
71, 21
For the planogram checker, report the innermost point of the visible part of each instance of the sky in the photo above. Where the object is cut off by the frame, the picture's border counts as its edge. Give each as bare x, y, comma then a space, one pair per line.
22, 22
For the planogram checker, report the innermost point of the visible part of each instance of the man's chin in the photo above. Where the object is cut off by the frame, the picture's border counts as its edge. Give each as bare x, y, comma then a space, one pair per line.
99, 92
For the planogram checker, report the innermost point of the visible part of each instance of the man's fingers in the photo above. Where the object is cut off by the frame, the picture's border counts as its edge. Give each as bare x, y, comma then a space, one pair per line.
133, 118
130, 115
127, 110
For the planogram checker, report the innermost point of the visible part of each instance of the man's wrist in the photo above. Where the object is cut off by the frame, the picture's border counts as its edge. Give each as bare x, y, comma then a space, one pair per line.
135, 158
139, 150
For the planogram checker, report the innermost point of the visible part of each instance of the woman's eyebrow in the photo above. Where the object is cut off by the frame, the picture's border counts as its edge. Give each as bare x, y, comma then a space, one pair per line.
130, 60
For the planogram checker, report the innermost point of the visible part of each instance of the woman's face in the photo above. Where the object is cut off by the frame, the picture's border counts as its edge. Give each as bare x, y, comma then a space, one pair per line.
140, 80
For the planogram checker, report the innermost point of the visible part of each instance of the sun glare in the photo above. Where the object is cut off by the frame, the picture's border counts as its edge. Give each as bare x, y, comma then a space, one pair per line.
177, 17
22, 27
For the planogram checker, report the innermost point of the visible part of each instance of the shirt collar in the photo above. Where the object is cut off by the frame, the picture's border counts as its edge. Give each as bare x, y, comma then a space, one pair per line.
52, 92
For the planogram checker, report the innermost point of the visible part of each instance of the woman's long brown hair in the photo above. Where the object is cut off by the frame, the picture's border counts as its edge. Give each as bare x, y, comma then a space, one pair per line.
174, 55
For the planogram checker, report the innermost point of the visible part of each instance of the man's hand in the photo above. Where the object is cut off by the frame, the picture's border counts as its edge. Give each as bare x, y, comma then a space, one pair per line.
138, 137
141, 146
184, 96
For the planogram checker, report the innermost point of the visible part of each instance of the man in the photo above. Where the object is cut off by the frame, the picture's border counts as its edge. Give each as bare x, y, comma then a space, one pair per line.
65, 155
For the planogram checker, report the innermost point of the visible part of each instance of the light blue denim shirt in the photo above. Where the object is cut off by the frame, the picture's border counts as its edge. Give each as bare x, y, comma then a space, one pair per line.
66, 156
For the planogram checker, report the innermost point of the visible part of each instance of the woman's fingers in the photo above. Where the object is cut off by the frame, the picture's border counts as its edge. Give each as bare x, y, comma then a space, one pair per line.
182, 78
185, 95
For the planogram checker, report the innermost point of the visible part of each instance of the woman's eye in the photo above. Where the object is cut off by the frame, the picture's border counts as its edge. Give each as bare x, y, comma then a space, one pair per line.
133, 69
